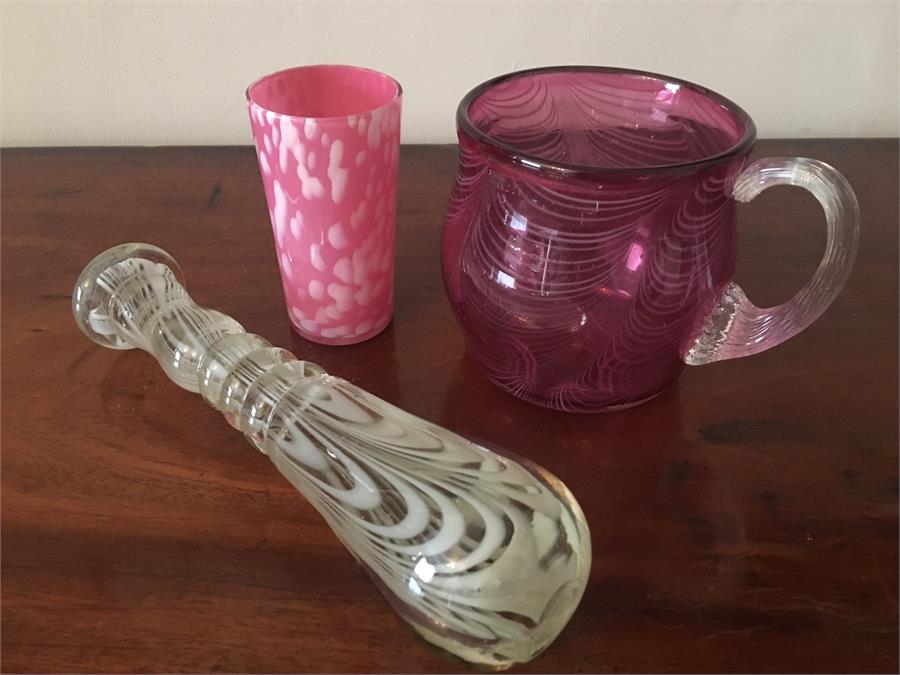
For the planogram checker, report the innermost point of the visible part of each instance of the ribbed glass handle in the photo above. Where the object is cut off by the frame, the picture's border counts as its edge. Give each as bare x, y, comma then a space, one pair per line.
736, 327
485, 556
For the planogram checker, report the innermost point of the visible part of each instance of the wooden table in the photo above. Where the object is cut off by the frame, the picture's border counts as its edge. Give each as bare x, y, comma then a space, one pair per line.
745, 520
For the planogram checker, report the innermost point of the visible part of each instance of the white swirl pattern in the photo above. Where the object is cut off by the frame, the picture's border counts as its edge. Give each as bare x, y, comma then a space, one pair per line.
581, 291
485, 556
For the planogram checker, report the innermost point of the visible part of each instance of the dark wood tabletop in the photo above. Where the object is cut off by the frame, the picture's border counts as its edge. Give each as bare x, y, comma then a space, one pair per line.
744, 520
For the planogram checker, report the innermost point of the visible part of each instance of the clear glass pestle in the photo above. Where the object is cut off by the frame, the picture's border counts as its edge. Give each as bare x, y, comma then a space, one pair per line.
485, 556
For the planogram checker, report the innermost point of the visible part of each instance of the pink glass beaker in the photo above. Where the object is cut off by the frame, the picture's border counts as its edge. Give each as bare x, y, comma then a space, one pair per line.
328, 139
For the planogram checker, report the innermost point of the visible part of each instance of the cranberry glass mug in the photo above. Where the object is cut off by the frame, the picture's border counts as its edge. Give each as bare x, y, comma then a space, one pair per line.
589, 246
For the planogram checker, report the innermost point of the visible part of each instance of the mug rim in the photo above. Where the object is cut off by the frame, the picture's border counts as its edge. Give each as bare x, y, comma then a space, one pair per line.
570, 169
336, 66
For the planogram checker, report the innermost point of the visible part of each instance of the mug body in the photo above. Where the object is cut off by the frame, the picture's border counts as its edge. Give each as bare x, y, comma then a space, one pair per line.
590, 229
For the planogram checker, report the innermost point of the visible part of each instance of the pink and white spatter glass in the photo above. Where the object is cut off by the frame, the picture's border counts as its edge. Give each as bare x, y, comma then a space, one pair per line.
328, 141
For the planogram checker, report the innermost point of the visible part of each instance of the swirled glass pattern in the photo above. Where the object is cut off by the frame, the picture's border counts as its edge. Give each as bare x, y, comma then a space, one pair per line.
485, 555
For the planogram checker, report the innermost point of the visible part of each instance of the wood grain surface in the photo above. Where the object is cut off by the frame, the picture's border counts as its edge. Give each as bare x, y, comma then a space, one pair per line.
745, 520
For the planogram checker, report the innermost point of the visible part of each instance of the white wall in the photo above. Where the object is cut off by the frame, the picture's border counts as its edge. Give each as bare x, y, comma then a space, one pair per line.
142, 72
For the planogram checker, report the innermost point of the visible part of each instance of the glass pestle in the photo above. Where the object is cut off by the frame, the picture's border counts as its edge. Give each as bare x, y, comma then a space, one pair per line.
485, 556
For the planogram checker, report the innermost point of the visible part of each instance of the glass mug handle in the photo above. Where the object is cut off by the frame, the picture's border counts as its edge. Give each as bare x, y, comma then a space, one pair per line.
736, 327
